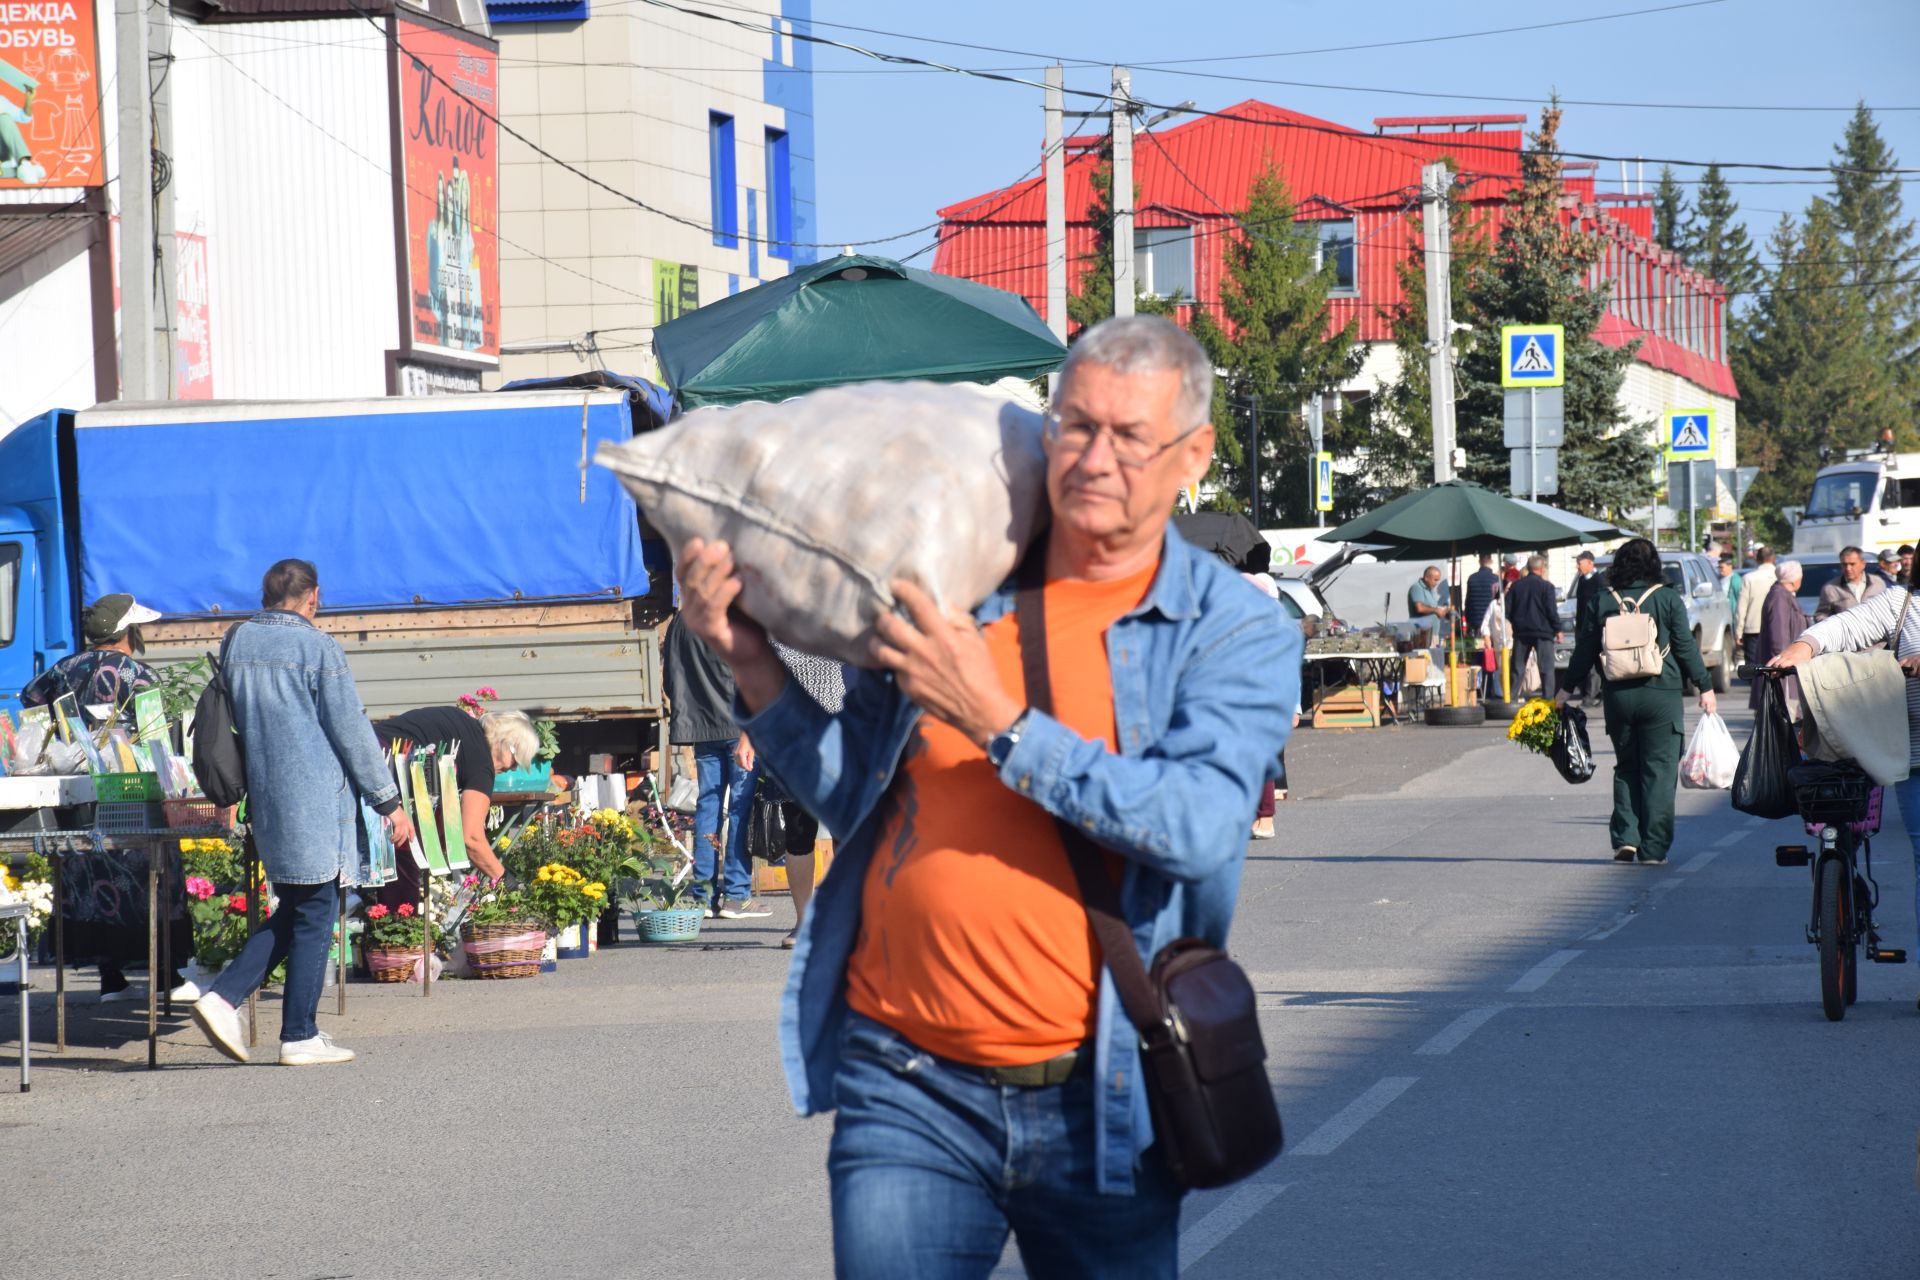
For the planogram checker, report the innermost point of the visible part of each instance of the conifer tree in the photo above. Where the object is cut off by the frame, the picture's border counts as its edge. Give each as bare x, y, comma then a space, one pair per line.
1715, 243
1092, 301
1883, 262
1669, 211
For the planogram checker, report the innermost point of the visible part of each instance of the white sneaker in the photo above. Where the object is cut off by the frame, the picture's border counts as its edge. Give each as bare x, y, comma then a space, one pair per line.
217, 1019
320, 1051
187, 992
126, 993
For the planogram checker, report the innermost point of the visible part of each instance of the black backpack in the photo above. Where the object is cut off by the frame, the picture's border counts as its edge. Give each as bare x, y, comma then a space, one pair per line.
219, 756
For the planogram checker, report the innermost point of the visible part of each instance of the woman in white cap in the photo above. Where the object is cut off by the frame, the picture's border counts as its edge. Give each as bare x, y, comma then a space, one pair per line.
103, 678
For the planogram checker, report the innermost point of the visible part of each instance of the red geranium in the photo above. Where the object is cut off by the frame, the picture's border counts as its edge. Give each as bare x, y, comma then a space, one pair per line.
404, 910
378, 911
237, 903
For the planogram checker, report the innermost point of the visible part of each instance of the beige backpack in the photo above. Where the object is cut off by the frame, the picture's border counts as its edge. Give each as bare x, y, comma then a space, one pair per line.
1630, 641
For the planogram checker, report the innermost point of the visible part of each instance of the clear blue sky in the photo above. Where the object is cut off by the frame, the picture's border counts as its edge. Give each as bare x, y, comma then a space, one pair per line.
895, 146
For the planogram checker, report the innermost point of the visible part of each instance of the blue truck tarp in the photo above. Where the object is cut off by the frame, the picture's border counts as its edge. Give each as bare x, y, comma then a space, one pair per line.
449, 501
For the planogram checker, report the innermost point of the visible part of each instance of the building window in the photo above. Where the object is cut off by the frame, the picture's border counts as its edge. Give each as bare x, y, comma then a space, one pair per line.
1163, 261
779, 193
724, 180
1336, 246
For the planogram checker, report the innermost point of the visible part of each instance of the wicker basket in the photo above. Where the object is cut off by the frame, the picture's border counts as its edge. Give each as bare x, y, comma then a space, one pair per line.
392, 964
488, 958
681, 925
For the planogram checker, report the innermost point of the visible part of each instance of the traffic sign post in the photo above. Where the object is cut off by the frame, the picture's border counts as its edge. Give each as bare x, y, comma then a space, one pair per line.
1535, 419
1688, 481
1535, 471
1323, 482
1533, 355
1690, 441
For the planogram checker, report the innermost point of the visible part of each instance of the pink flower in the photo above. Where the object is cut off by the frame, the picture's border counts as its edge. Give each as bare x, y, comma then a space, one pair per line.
378, 911
469, 882
488, 692
199, 887
404, 910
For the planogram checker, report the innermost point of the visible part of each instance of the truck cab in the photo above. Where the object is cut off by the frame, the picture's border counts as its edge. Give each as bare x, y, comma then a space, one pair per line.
38, 611
1871, 501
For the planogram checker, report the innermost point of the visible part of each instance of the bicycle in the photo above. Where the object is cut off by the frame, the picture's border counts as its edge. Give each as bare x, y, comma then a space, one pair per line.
1841, 808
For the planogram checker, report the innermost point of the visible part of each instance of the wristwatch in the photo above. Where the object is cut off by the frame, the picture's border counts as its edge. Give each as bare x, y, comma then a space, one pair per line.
1001, 745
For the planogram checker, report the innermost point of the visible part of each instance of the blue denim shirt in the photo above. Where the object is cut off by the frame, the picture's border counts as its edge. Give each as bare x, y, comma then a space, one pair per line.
311, 753
1206, 674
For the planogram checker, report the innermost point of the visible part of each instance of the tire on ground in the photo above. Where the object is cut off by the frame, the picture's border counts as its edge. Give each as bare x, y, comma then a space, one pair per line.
1501, 712
1457, 717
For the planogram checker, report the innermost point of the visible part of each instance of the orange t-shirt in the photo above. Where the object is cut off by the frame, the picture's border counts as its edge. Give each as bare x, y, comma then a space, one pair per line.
974, 941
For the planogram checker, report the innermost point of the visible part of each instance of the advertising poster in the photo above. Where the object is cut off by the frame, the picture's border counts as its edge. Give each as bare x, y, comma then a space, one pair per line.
676, 290
49, 95
192, 343
449, 162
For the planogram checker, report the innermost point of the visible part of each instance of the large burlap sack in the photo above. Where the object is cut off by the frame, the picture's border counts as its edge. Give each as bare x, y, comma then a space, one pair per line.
827, 498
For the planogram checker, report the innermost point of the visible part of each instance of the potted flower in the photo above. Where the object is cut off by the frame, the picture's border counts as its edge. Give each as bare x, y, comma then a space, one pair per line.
503, 934
665, 903
567, 899
220, 926
33, 886
393, 939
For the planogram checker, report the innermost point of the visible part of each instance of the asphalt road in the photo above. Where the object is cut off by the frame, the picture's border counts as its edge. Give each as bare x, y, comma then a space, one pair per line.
1498, 1053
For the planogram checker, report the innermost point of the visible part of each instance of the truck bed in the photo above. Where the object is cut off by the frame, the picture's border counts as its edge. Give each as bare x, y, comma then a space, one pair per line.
572, 661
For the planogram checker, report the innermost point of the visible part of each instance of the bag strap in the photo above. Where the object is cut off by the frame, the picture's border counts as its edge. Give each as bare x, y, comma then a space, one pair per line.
1644, 594
1089, 866
1900, 623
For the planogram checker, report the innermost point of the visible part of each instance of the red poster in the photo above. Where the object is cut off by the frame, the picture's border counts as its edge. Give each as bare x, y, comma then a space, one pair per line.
192, 344
450, 164
49, 95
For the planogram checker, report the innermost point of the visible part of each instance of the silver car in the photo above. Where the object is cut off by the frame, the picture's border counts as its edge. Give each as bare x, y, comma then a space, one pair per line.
1697, 580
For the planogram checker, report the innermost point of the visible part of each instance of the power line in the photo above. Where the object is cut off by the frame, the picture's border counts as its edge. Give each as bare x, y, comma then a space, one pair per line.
1334, 130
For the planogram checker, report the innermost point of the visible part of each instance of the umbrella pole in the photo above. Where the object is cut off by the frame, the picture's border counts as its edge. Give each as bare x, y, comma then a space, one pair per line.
1453, 569
1506, 673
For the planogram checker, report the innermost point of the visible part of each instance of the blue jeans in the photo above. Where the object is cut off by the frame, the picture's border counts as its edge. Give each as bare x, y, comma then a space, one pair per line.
720, 775
299, 933
931, 1167
1909, 794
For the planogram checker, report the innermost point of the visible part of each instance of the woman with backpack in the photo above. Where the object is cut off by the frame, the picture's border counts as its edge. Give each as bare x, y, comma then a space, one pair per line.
1640, 640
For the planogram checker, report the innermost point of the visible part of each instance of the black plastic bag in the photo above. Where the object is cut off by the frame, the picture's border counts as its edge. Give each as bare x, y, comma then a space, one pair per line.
1761, 785
767, 832
1572, 752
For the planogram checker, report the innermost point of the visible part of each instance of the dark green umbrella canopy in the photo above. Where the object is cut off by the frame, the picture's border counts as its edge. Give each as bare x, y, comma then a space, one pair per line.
1452, 519
851, 319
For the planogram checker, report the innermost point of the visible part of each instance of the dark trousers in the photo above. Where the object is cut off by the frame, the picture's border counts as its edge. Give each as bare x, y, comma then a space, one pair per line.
1542, 649
299, 933
1645, 726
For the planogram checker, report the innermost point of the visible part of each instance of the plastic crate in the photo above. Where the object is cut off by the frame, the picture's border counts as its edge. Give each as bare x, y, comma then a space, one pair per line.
117, 788
520, 781
122, 817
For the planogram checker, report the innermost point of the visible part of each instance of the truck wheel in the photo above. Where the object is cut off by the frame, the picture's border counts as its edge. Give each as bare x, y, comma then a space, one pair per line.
1723, 674
1457, 717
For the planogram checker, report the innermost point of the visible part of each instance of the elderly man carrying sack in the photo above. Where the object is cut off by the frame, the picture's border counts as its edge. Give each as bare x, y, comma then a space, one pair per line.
946, 995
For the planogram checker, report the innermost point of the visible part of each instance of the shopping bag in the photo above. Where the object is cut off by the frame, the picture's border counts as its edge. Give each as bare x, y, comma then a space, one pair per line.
684, 795
767, 832
1572, 752
1761, 786
1711, 759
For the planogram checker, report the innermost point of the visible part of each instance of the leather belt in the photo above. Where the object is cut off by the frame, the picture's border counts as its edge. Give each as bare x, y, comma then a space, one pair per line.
1035, 1075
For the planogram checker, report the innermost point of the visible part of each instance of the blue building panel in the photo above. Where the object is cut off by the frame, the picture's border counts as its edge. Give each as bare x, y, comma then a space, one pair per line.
791, 89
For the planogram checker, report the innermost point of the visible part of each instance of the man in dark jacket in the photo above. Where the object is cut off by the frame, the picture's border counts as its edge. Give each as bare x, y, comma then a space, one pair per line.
1585, 594
1534, 614
700, 697
1483, 588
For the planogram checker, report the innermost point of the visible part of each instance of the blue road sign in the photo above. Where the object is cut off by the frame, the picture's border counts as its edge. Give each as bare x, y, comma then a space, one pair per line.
1531, 355
1689, 433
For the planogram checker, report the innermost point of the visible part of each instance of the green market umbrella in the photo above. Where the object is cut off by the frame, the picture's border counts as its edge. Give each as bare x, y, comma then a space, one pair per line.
1586, 526
851, 319
1453, 519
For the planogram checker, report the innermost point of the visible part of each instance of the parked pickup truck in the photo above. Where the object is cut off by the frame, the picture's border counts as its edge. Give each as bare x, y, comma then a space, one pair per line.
461, 541
1698, 582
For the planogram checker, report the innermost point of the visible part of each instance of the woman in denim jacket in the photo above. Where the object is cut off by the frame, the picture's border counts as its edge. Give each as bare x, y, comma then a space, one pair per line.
311, 756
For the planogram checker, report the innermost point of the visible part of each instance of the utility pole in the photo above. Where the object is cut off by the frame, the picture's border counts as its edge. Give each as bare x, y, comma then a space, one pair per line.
146, 223
1436, 185
1318, 424
1123, 287
1253, 456
1056, 168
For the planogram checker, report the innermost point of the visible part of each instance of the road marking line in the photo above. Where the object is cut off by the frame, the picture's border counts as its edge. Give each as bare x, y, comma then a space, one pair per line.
1355, 1114
1607, 931
1665, 886
1536, 977
1240, 1208
1729, 839
1756, 822
1698, 861
1455, 1033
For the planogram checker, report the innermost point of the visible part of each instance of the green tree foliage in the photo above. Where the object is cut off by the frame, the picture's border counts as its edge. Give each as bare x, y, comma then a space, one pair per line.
1092, 301
1812, 381
1534, 273
1715, 242
1883, 263
1274, 345
1669, 211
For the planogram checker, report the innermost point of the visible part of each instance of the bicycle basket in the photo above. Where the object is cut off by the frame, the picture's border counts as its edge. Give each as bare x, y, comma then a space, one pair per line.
1831, 793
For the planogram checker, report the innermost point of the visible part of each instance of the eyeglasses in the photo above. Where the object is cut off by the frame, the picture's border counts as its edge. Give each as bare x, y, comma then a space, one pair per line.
1131, 449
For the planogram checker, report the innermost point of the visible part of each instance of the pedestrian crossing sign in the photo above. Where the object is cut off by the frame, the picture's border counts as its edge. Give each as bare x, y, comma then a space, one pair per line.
1531, 355
1323, 482
1689, 434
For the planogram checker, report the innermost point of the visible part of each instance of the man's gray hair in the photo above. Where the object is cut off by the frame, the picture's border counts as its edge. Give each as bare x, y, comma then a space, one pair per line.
514, 731
1148, 344
1536, 563
1789, 571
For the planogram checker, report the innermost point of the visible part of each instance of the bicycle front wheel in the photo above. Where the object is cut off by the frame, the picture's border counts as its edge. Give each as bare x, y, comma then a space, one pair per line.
1836, 938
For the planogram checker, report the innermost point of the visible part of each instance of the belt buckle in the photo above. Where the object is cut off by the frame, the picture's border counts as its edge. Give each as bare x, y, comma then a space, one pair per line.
1035, 1075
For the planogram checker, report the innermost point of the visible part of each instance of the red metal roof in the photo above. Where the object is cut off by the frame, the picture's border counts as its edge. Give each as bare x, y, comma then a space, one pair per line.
1193, 173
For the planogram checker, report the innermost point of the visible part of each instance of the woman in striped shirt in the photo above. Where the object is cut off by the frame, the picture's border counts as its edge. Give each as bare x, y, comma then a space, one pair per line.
1870, 625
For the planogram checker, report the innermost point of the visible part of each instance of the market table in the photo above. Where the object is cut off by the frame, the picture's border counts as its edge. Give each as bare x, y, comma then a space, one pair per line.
18, 913
1372, 666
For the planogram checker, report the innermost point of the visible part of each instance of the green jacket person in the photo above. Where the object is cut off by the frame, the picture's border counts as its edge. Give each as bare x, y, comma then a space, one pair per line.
1645, 716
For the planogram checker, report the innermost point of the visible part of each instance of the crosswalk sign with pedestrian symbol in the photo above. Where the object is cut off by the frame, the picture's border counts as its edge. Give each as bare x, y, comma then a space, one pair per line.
1689, 433
1531, 355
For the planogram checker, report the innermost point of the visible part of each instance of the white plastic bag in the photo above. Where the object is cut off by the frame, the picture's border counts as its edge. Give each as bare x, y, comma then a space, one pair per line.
1711, 757
827, 498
